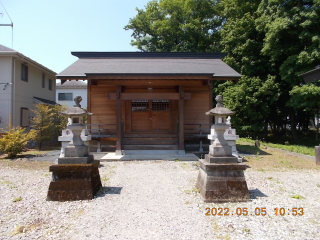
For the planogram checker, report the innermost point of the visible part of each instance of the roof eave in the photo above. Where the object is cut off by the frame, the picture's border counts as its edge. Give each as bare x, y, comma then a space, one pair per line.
171, 55
311, 76
27, 59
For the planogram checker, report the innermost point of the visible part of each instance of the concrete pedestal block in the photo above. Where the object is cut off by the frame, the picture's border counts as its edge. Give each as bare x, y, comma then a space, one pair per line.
71, 182
224, 182
317, 148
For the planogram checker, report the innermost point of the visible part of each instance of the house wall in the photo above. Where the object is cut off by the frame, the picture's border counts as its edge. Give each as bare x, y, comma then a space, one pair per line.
5, 95
80, 92
25, 91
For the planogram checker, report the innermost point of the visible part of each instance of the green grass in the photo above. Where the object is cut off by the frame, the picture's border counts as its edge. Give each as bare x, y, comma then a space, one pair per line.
307, 150
18, 199
297, 196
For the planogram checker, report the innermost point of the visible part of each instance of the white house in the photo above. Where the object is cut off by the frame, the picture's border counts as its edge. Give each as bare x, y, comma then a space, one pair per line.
23, 82
66, 92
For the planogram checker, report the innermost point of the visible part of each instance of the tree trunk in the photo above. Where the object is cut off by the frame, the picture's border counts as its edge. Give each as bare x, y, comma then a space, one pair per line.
293, 126
317, 125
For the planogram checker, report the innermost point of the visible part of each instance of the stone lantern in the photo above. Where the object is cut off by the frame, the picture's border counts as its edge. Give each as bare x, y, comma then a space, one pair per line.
76, 174
221, 177
220, 147
76, 151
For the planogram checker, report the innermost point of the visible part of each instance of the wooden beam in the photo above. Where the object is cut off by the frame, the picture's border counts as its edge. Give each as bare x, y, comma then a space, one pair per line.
118, 122
151, 82
149, 77
149, 96
181, 118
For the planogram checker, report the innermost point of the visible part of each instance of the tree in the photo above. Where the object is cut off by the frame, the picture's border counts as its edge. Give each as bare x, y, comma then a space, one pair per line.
273, 38
48, 122
292, 37
253, 100
306, 97
241, 40
176, 26
42, 124
59, 121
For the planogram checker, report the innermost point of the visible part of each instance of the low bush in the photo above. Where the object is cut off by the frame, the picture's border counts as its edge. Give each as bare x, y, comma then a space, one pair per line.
14, 141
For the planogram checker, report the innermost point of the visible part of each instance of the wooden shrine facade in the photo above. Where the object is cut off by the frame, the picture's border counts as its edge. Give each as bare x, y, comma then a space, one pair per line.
153, 100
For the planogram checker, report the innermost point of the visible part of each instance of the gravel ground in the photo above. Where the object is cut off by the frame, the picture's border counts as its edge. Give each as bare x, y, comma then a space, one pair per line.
157, 200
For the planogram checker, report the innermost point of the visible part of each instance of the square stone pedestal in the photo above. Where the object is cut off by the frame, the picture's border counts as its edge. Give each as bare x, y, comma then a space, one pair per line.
71, 182
222, 182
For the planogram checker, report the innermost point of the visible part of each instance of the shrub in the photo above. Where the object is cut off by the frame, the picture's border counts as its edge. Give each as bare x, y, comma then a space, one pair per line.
14, 141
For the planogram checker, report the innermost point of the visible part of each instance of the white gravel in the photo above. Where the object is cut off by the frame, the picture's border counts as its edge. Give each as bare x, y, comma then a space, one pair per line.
157, 200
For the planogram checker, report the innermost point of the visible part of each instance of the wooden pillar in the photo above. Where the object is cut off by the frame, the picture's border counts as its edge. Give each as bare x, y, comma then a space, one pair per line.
181, 121
89, 100
210, 100
118, 121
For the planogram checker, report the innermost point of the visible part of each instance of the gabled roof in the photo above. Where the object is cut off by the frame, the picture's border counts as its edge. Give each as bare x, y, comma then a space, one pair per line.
148, 64
72, 84
5, 51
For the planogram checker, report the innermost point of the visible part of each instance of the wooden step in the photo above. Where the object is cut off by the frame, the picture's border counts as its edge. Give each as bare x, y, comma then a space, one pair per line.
150, 141
149, 135
149, 147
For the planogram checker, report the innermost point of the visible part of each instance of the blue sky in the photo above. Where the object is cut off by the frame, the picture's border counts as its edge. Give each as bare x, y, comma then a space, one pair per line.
47, 31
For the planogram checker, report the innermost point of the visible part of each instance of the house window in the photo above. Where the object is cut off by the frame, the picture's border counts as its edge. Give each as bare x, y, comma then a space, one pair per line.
24, 121
50, 84
43, 81
65, 96
24, 72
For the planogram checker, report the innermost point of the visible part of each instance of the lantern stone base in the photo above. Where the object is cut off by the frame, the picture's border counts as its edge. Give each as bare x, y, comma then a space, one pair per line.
222, 182
229, 159
71, 182
75, 160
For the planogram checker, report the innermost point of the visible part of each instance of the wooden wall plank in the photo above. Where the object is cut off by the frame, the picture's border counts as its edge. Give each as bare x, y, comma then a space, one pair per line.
140, 121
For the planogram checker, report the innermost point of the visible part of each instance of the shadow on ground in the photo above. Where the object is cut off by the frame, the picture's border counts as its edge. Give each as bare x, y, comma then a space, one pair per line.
103, 191
250, 150
255, 193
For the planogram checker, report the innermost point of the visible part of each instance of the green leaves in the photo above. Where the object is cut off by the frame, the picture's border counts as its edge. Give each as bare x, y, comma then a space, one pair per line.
14, 141
47, 123
176, 26
253, 100
305, 97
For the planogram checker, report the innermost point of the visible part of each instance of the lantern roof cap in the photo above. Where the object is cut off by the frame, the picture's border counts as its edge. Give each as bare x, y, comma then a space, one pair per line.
76, 110
220, 110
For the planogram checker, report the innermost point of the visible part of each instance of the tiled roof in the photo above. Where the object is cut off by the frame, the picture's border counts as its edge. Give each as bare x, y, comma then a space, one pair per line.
72, 84
149, 64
